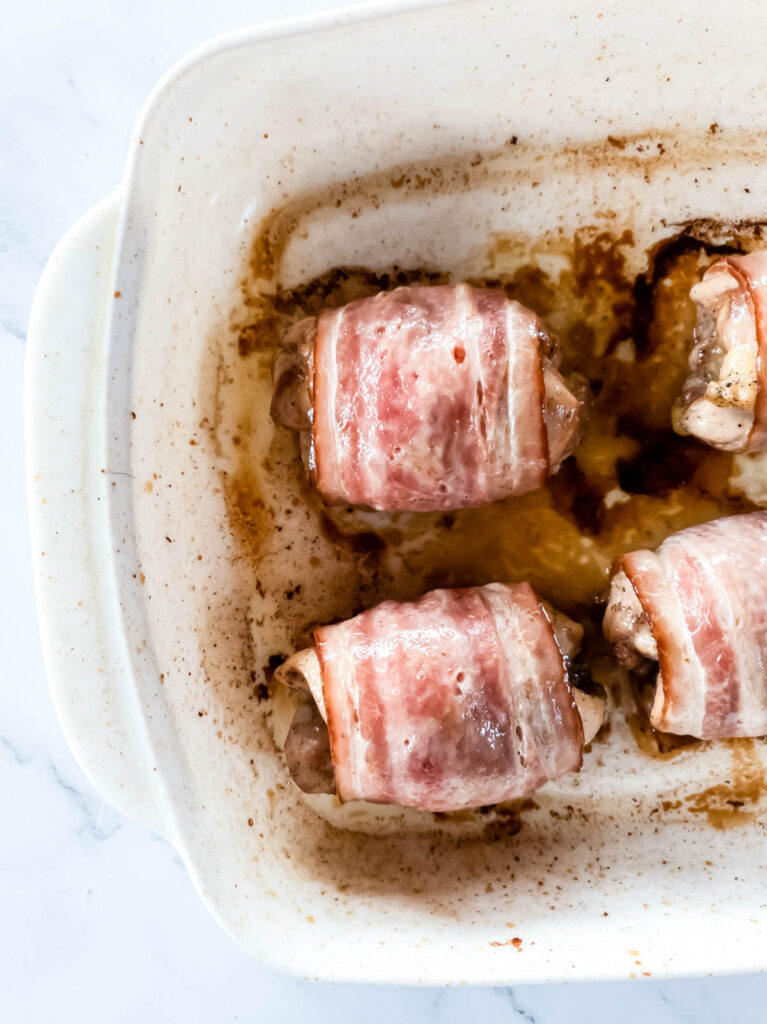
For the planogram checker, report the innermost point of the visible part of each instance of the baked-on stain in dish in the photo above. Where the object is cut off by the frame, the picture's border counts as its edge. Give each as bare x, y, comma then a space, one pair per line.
632, 479
734, 802
664, 482
654, 481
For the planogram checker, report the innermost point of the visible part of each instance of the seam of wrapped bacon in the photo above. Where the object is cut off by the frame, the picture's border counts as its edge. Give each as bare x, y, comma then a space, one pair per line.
458, 700
645, 575
389, 432
756, 289
712, 644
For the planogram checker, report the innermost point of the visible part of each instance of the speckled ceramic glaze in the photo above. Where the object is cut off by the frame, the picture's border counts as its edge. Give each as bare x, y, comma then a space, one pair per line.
147, 601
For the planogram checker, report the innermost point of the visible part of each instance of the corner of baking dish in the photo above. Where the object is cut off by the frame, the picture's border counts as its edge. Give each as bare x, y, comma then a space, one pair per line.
89, 670
70, 379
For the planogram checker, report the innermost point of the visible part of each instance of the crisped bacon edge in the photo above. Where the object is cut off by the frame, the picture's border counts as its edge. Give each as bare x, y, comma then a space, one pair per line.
675, 681
326, 471
751, 271
341, 710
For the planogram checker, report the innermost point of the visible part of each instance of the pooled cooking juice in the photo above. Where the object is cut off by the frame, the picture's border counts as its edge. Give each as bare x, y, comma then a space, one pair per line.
630, 483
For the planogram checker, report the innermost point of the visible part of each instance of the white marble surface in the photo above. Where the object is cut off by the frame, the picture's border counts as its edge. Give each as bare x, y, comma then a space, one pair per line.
99, 921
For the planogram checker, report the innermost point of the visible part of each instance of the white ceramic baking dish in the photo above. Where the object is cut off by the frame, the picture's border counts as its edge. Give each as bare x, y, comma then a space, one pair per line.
140, 593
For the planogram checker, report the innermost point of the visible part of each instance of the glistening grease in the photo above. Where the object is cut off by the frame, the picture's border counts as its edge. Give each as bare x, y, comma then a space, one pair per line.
618, 301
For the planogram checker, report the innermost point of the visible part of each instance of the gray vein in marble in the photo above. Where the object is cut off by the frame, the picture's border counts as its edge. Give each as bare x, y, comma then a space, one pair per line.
519, 1012
14, 751
13, 330
436, 1003
673, 1005
92, 818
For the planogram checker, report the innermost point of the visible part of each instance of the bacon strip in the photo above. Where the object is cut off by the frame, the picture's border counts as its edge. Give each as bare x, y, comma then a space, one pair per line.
704, 592
753, 271
427, 399
458, 700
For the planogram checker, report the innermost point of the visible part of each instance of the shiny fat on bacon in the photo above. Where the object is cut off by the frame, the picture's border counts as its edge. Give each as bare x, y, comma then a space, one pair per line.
458, 700
426, 399
704, 594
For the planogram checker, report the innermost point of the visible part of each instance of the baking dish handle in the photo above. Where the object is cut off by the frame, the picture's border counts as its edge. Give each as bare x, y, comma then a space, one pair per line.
65, 392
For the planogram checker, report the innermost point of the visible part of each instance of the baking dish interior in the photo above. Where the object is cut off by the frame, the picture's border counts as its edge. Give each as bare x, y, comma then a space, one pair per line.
423, 139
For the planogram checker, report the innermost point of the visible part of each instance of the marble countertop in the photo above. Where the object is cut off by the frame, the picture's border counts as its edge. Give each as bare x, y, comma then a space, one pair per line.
100, 921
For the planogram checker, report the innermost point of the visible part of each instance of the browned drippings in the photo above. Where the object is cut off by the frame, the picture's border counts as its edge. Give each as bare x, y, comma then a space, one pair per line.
734, 801
631, 483
651, 741
571, 535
